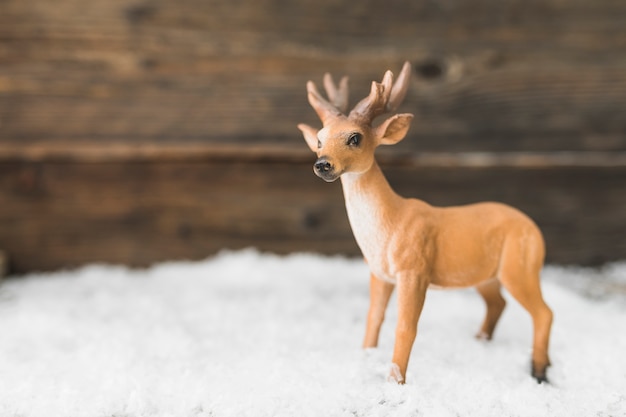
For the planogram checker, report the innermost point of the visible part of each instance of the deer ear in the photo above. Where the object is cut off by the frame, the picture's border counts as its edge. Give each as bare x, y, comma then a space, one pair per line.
310, 135
393, 130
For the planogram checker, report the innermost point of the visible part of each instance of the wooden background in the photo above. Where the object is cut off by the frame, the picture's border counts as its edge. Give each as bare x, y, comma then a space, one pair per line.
134, 131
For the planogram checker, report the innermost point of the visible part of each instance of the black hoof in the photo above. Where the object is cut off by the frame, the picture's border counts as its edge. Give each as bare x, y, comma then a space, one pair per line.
540, 376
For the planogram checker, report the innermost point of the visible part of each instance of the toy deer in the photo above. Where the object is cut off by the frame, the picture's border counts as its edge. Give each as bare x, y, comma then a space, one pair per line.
412, 245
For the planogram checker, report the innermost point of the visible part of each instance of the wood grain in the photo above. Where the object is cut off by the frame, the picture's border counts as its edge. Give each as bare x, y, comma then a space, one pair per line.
62, 214
534, 75
133, 131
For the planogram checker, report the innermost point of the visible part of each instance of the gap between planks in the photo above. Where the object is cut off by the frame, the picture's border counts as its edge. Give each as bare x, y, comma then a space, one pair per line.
278, 153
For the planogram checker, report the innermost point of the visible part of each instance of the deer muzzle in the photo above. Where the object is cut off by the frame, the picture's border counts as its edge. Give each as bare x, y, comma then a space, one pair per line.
325, 170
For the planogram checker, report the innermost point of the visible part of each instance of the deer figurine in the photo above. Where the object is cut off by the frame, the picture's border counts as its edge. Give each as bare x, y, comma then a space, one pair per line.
412, 245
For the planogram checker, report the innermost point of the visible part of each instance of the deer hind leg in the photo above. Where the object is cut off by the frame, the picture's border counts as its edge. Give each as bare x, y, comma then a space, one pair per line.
380, 292
520, 275
490, 291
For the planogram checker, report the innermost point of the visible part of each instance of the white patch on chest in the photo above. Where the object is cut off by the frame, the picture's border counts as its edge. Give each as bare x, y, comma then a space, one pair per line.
371, 233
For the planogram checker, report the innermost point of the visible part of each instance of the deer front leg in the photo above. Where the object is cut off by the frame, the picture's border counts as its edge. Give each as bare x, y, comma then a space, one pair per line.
380, 292
411, 295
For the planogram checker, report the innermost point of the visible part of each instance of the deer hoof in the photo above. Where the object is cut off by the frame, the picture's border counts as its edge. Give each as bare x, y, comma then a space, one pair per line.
540, 374
395, 376
483, 336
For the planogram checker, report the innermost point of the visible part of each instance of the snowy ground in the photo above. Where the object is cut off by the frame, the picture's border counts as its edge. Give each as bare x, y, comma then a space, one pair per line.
245, 334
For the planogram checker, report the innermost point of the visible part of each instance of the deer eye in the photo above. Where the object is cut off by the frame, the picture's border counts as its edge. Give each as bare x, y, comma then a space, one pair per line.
354, 139
319, 144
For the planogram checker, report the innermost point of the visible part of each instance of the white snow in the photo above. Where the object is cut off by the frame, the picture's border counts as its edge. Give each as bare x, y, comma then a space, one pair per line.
250, 334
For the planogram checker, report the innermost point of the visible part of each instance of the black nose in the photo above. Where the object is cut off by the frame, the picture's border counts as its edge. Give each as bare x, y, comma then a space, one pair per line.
323, 166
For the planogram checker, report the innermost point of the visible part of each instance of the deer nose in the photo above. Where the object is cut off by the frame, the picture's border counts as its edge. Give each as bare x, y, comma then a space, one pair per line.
323, 166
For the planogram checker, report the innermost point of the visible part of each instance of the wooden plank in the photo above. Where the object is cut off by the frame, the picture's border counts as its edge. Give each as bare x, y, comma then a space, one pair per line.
56, 215
4, 264
62, 214
489, 76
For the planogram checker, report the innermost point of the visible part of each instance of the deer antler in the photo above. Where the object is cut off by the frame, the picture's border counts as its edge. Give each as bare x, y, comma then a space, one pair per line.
338, 96
384, 97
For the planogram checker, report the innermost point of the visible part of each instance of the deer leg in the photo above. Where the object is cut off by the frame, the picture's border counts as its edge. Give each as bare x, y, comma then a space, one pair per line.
523, 284
411, 295
380, 292
490, 291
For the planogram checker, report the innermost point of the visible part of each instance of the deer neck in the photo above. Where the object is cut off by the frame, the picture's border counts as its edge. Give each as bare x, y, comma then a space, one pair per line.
370, 203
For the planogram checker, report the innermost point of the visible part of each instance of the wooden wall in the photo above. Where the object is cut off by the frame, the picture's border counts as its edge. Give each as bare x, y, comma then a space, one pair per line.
133, 131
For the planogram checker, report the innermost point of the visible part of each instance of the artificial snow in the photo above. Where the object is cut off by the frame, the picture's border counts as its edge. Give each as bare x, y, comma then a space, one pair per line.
250, 334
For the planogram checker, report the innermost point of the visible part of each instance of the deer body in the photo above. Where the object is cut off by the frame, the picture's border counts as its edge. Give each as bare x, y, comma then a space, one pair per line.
450, 247
411, 245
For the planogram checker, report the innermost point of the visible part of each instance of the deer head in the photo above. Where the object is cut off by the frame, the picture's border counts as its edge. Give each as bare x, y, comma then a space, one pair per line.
346, 143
